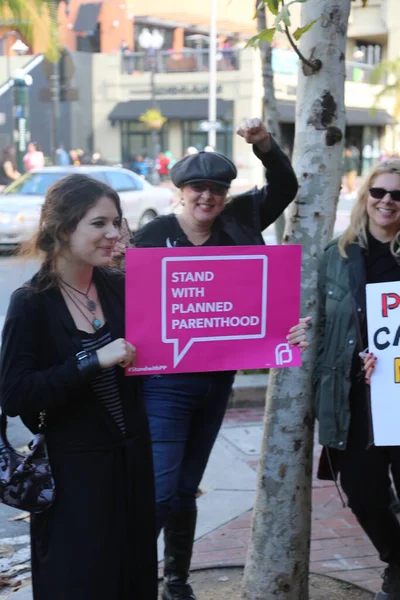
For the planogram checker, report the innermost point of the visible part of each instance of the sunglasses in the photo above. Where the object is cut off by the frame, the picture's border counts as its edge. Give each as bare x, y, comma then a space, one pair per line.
214, 188
379, 193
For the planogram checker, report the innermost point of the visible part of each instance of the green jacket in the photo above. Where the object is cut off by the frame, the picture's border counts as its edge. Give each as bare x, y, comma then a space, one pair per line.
342, 331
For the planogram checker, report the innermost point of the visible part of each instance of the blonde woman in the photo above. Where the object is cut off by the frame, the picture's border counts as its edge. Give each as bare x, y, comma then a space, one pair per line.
367, 252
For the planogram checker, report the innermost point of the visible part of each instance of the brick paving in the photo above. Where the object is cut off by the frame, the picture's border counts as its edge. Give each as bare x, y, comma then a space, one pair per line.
339, 547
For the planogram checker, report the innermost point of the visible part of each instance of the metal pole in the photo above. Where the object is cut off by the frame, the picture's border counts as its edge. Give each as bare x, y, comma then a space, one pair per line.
55, 110
212, 92
155, 178
10, 92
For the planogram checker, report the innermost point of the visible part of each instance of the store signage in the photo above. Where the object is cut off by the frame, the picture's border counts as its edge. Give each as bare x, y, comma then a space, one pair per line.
178, 90
185, 89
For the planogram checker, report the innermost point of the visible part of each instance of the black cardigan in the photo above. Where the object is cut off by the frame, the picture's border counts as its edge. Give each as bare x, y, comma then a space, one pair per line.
103, 518
246, 216
38, 365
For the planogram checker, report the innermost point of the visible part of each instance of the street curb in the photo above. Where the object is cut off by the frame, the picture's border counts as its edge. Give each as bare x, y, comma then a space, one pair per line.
249, 391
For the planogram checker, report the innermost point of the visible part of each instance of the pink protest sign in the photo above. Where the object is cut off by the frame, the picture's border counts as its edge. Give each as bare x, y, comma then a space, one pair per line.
212, 308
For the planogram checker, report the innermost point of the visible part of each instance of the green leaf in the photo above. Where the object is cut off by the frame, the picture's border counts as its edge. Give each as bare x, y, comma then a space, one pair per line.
253, 41
283, 15
300, 30
273, 6
267, 35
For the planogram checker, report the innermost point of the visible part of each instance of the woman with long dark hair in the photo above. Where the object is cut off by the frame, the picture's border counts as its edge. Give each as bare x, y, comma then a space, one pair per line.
63, 352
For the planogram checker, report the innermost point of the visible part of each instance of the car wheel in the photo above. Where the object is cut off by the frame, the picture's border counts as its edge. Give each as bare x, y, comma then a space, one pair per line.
146, 217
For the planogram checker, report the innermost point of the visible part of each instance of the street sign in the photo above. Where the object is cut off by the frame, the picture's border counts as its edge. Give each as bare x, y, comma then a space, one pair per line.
210, 126
66, 95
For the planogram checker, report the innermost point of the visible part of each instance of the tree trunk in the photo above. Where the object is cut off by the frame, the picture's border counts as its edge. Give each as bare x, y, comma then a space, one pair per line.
278, 556
270, 107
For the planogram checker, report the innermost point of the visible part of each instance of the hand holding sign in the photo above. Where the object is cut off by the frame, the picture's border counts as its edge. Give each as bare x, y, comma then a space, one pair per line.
297, 335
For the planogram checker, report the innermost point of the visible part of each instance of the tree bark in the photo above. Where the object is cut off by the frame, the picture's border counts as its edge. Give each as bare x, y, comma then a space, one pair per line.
278, 556
270, 106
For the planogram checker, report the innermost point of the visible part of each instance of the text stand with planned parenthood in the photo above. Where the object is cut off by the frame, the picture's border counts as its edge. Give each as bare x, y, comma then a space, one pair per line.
383, 317
212, 309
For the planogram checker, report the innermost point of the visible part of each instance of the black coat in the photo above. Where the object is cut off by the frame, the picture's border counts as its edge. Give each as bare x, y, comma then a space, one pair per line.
245, 217
98, 541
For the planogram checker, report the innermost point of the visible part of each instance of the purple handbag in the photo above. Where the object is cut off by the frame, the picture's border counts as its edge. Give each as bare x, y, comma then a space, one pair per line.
26, 481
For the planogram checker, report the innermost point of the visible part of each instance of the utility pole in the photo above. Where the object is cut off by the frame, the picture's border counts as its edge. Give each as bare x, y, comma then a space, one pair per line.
55, 108
212, 92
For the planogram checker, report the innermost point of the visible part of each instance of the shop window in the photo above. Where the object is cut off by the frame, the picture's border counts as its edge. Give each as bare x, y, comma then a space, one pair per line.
193, 135
89, 42
136, 141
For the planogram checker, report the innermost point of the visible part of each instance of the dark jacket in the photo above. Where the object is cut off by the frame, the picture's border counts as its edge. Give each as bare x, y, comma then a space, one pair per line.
98, 539
342, 322
247, 215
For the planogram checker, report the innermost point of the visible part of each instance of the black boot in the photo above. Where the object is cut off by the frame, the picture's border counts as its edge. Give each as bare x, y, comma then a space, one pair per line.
391, 584
179, 532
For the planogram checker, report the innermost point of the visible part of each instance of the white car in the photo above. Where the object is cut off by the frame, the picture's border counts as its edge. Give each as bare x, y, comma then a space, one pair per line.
21, 201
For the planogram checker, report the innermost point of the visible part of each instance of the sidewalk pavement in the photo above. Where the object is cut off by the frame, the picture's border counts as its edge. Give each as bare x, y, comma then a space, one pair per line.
339, 547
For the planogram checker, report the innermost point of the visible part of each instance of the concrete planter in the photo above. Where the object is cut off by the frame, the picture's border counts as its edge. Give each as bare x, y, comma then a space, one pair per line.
249, 391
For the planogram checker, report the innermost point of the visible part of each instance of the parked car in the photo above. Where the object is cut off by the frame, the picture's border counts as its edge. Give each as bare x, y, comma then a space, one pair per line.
21, 201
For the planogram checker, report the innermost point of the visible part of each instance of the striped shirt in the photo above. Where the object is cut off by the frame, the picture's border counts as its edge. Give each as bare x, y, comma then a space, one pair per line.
105, 386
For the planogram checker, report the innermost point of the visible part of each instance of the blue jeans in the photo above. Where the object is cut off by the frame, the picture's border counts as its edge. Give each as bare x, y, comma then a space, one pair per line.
185, 413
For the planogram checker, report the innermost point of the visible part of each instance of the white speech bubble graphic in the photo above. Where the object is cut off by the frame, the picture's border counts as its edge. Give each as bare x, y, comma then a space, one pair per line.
178, 355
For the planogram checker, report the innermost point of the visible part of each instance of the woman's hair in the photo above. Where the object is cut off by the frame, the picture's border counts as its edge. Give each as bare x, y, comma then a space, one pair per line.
8, 154
357, 230
66, 203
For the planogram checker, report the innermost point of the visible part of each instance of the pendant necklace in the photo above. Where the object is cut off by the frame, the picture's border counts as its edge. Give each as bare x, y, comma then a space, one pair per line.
95, 323
91, 304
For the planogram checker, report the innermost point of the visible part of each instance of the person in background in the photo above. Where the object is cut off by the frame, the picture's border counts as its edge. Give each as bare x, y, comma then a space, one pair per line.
62, 157
171, 159
97, 159
63, 352
350, 169
34, 158
8, 166
162, 166
367, 252
185, 411
140, 166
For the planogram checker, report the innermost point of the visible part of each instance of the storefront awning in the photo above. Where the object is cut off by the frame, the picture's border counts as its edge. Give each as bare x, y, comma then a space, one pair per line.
87, 17
354, 116
178, 110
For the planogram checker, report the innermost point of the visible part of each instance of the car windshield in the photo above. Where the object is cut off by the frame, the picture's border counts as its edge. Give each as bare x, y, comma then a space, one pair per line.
33, 184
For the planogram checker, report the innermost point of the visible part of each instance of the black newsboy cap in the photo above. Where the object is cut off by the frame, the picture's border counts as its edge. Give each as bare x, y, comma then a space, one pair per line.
203, 166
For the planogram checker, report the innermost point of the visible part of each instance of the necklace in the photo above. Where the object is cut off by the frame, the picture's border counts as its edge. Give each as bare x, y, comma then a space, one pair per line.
91, 304
95, 323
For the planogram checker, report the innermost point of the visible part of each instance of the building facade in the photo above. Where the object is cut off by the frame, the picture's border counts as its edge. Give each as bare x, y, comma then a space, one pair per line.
117, 79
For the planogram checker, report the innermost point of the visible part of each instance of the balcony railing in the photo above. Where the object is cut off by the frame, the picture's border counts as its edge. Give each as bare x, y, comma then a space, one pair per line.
360, 73
182, 61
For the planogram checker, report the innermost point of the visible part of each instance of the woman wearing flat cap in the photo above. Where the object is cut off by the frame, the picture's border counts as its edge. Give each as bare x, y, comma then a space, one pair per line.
185, 411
